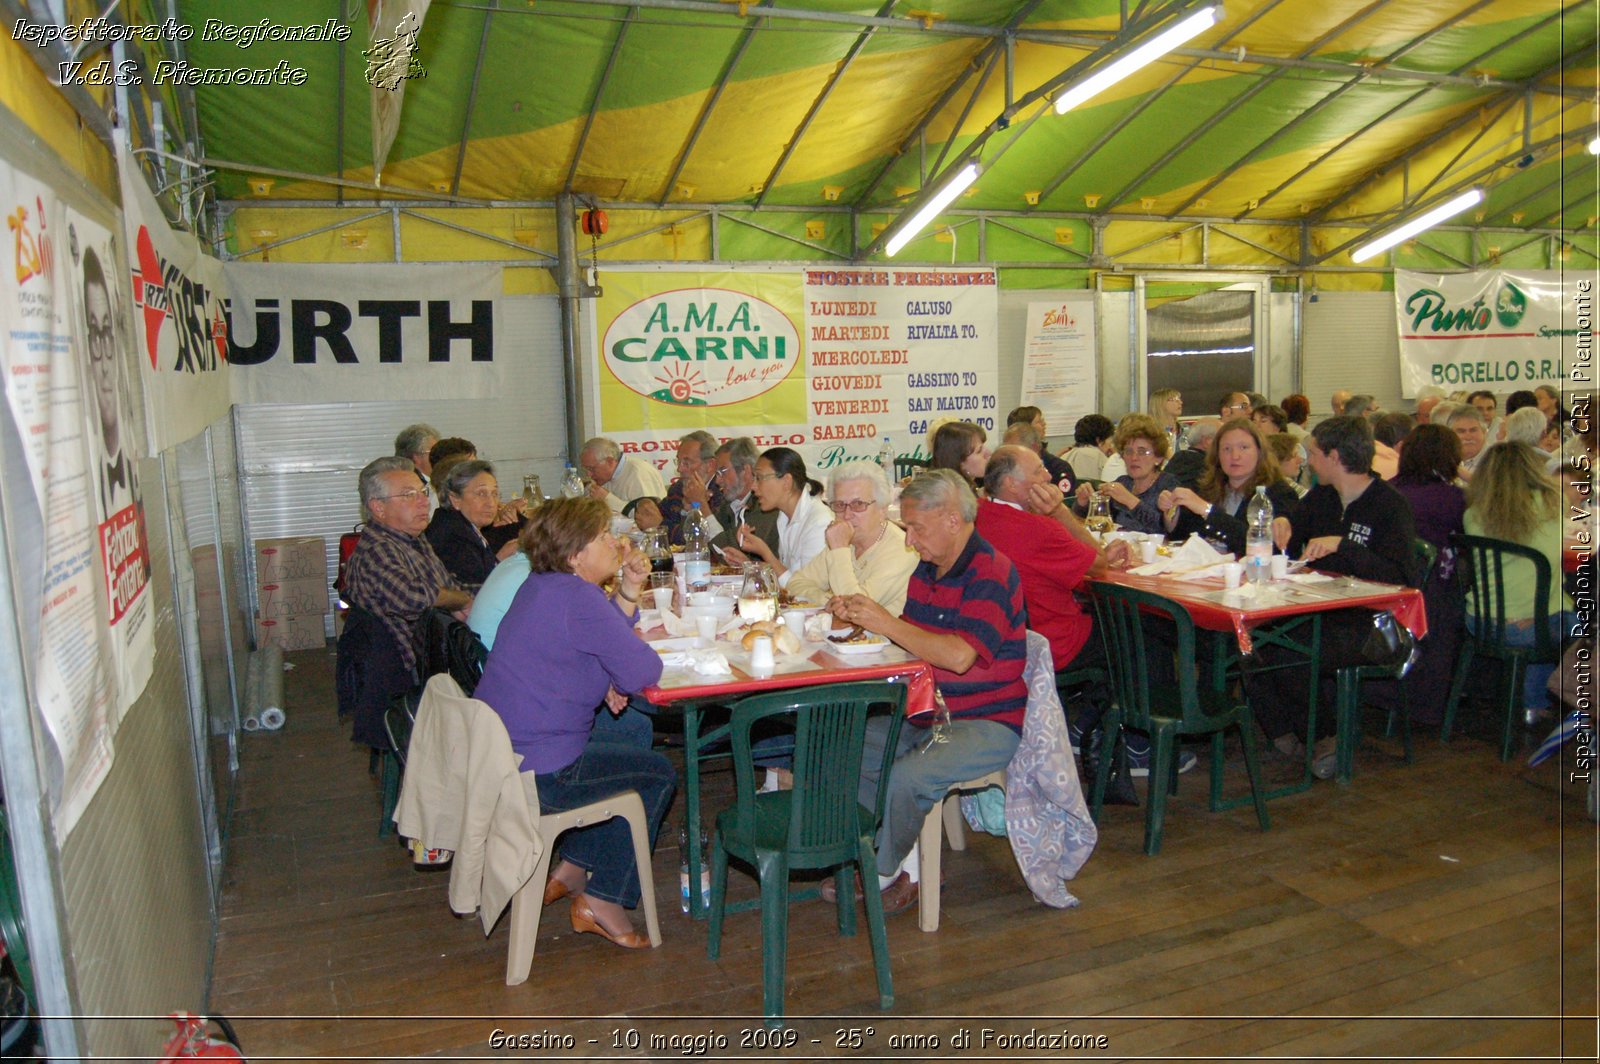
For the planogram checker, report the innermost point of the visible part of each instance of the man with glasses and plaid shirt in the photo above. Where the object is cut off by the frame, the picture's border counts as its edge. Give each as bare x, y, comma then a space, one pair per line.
391, 578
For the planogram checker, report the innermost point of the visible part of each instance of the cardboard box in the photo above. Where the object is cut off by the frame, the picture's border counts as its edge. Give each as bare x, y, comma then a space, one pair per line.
281, 561
290, 633
292, 598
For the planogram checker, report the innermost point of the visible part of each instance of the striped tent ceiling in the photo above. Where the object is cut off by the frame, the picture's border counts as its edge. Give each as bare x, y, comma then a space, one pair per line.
1338, 112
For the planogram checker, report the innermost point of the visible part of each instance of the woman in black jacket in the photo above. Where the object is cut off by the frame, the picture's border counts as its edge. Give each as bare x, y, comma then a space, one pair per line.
469, 499
1238, 462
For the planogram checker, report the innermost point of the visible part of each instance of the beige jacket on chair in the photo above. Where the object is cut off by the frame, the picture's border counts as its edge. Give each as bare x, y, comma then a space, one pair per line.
463, 791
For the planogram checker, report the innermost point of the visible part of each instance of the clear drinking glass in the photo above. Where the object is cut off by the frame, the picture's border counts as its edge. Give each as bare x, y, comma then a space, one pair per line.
532, 494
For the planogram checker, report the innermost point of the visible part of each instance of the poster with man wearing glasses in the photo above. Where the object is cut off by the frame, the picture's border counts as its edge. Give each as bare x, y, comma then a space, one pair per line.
100, 330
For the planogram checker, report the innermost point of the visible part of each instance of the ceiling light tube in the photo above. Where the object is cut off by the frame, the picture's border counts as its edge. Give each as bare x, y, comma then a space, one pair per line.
1147, 53
1470, 198
1594, 146
958, 184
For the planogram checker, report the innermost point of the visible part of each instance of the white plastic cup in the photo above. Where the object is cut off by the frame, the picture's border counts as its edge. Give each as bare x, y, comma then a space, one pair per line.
1232, 574
705, 627
1280, 567
795, 621
663, 598
1147, 551
761, 653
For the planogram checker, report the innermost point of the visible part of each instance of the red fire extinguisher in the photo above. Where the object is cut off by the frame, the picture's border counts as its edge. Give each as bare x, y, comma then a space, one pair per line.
194, 1039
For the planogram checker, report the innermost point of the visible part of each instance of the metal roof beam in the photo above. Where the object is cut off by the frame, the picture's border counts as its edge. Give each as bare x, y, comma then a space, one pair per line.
599, 93
411, 212
1234, 104
1315, 108
819, 248
472, 103
944, 99
995, 59
1065, 38
1506, 100
1567, 172
1002, 121
710, 105
1461, 183
1414, 97
47, 57
1142, 106
1588, 194
821, 98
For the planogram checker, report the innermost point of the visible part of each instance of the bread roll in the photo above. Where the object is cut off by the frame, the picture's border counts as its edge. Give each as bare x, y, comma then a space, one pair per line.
785, 641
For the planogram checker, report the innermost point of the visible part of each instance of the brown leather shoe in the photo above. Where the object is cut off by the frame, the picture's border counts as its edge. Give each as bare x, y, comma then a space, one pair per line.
900, 895
585, 923
555, 890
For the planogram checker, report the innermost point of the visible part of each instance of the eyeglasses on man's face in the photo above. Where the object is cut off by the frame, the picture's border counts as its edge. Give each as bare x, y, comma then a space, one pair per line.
409, 495
855, 506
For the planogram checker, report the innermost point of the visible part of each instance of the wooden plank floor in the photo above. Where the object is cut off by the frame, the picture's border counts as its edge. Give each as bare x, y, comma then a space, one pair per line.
1447, 908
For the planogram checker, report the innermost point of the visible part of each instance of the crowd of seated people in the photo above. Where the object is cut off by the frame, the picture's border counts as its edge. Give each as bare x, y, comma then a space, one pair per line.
985, 546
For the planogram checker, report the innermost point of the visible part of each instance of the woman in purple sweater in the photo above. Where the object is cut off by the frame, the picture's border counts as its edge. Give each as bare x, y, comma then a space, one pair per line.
564, 651
1429, 459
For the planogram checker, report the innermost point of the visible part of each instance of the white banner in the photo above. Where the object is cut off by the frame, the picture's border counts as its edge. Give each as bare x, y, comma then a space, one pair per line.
889, 351
81, 556
319, 334
1059, 370
180, 333
1500, 330
829, 362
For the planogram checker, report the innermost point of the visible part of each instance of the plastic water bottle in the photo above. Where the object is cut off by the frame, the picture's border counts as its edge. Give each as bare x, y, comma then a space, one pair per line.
886, 460
1258, 537
683, 872
696, 556
571, 483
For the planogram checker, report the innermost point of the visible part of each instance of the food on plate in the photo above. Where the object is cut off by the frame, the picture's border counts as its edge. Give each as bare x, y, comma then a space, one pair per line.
786, 641
855, 634
760, 628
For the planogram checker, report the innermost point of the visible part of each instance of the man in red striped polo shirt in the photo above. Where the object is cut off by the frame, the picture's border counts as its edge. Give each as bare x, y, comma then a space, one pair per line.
964, 614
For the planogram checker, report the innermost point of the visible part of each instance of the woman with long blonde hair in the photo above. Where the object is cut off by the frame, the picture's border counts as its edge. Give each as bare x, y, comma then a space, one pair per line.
1165, 406
1510, 497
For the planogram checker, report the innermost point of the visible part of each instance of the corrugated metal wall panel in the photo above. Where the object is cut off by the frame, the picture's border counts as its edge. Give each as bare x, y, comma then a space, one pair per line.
300, 462
1350, 341
133, 870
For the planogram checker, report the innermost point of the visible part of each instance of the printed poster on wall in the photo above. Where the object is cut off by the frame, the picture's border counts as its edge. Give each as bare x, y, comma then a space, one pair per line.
1501, 330
301, 333
83, 563
1059, 370
829, 361
181, 332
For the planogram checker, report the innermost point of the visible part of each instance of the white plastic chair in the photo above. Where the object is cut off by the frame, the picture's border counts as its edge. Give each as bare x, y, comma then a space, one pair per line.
948, 811
527, 905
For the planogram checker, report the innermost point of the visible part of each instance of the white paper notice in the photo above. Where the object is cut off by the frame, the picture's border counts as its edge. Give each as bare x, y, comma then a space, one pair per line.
1058, 362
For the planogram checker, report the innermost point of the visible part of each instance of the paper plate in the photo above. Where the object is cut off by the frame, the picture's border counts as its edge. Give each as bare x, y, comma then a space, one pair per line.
859, 648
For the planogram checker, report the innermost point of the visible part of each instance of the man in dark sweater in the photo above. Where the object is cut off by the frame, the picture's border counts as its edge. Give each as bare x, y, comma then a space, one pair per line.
1353, 524
1189, 463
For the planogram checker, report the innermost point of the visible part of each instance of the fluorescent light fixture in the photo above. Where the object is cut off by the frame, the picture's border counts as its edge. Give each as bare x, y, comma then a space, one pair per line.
1142, 56
958, 184
1594, 146
1470, 198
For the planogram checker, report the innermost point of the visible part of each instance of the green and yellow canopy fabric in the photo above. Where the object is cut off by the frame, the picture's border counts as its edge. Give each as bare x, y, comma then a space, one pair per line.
1338, 115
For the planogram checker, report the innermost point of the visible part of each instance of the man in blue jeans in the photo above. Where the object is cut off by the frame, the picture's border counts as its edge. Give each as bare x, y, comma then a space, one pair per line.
964, 615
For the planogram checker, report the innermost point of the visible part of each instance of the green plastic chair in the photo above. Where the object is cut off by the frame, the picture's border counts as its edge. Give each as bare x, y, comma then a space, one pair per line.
1480, 566
1347, 687
398, 720
12, 930
1164, 713
819, 824
905, 467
